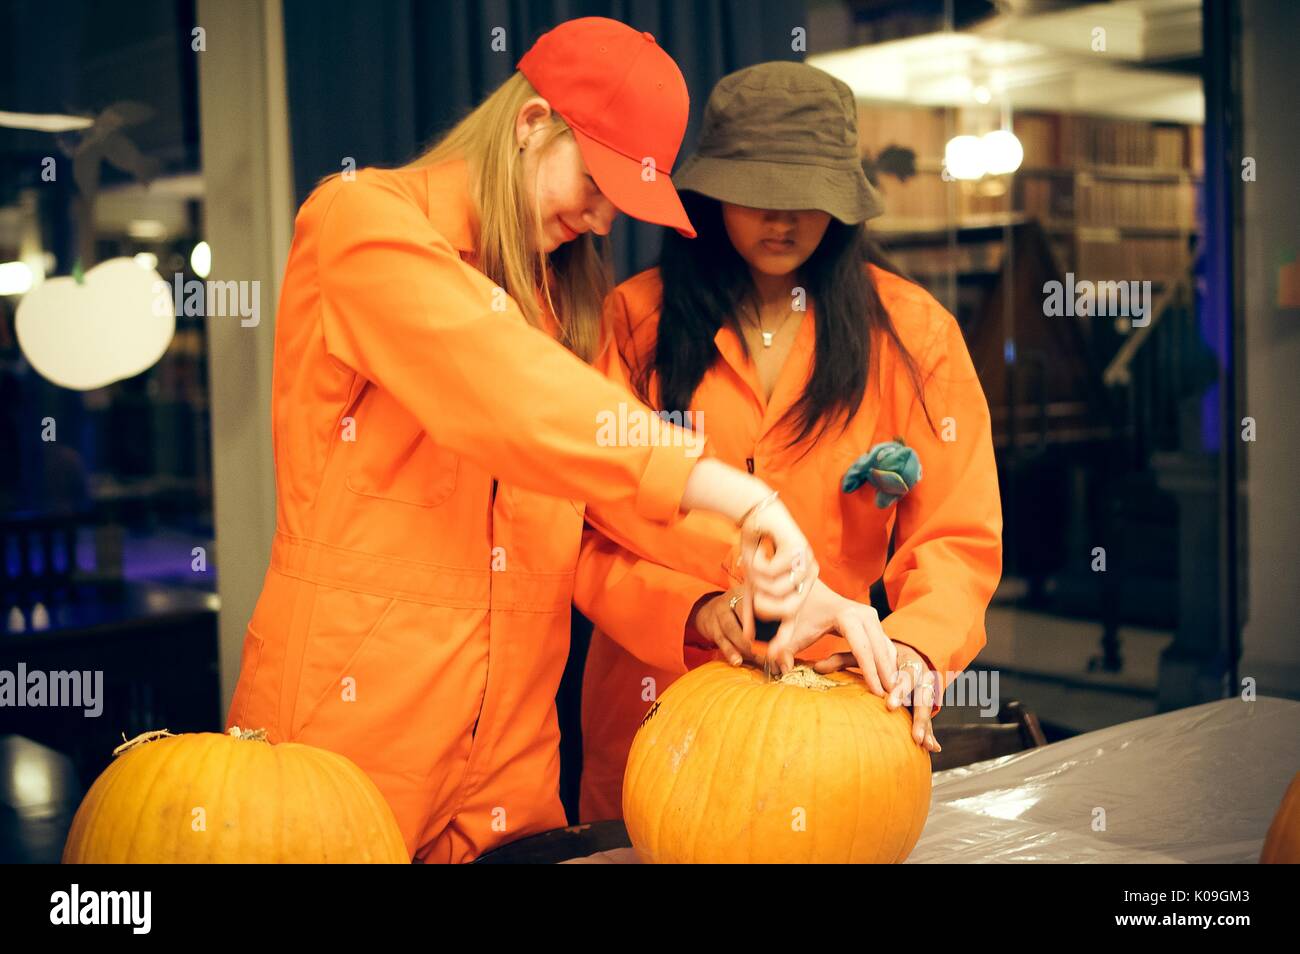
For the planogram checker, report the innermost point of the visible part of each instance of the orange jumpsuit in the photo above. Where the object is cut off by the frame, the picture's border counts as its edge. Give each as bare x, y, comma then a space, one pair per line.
948, 549
432, 451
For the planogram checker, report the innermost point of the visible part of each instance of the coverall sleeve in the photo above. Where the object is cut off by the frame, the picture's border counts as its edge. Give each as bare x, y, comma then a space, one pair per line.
948, 549
400, 308
638, 581
641, 605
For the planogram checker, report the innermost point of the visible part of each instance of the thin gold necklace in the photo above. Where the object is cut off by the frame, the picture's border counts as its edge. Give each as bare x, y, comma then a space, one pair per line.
769, 335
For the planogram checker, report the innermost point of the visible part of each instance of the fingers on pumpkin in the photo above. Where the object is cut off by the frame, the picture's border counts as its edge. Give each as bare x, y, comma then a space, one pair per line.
855, 631
834, 662
902, 687
734, 636
785, 634
921, 721
921, 706
921, 731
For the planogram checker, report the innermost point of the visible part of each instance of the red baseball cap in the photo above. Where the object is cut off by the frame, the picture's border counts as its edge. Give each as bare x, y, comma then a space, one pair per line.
627, 104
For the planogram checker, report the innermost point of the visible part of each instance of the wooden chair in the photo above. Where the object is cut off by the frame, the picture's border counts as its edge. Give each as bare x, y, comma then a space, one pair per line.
1015, 730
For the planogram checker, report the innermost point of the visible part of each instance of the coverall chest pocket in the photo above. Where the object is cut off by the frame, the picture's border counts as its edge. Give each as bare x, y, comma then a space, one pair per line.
389, 456
858, 529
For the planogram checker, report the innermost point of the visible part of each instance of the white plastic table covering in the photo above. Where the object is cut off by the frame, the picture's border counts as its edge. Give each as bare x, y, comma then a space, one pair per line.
1194, 785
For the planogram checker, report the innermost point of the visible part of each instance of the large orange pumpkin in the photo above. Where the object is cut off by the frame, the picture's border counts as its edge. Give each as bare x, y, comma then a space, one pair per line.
1282, 843
211, 798
730, 765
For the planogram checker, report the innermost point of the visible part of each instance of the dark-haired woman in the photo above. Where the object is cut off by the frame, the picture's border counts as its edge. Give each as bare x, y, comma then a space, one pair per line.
843, 386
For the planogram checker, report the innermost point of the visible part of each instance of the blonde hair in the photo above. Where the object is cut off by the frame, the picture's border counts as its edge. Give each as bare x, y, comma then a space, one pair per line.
574, 279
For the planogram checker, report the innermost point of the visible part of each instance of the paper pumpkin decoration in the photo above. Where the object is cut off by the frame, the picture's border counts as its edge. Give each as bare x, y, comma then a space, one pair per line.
115, 324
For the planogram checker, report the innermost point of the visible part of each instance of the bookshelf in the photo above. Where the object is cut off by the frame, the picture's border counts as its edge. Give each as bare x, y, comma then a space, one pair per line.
1117, 198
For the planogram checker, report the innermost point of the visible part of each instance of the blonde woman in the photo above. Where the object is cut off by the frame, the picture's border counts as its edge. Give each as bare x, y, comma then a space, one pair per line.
435, 432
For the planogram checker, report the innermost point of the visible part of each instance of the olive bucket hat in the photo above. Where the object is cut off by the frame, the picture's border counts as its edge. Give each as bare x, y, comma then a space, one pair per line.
782, 135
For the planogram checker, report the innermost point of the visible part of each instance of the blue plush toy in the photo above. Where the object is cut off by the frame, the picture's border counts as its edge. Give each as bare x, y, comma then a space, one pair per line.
891, 467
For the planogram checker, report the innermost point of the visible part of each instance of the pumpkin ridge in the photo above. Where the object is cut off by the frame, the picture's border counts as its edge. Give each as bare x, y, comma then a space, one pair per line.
726, 691
173, 763
859, 778
359, 828
666, 800
348, 822
719, 752
214, 750
817, 734
758, 773
297, 777
875, 754
158, 762
883, 748
249, 766
913, 823
314, 788
251, 837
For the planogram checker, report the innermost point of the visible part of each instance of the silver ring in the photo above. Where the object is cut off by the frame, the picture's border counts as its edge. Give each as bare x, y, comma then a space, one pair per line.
731, 603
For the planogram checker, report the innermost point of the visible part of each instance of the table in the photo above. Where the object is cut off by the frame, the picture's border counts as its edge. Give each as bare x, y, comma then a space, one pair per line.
1196, 785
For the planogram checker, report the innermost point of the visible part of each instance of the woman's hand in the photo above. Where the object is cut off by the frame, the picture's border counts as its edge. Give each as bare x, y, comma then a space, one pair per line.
859, 623
718, 620
914, 684
777, 583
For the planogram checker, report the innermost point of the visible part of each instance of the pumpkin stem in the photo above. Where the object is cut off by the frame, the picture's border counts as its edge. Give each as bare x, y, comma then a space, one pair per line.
140, 739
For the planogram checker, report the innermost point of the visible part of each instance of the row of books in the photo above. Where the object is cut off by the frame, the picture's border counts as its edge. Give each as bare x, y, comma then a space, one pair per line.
1069, 141
1129, 259
1111, 202
1046, 198
1088, 202
1081, 201
928, 197
1153, 259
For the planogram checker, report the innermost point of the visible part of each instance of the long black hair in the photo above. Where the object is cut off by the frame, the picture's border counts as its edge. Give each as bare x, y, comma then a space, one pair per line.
706, 284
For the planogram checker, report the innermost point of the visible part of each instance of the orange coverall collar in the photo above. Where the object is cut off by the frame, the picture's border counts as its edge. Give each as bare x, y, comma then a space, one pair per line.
451, 209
